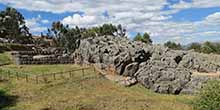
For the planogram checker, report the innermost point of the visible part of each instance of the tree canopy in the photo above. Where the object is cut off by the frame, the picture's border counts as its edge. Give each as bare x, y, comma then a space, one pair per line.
206, 47
173, 45
143, 38
12, 26
105, 29
69, 38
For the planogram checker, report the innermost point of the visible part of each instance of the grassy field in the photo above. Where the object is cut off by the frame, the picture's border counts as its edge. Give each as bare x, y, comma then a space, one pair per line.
4, 58
78, 93
41, 69
88, 92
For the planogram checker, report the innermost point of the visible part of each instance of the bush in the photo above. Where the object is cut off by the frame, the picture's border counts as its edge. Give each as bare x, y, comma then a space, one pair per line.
209, 97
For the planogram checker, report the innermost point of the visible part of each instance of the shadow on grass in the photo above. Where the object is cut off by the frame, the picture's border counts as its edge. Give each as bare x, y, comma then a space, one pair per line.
7, 100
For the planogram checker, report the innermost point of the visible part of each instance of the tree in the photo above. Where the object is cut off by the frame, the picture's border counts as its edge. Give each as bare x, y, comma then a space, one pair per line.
91, 32
12, 26
65, 37
195, 46
208, 47
69, 38
138, 37
57, 28
121, 32
217, 47
108, 29
173, 45
145, 38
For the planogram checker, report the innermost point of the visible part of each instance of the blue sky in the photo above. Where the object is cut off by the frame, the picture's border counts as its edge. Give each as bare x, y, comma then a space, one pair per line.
182, 21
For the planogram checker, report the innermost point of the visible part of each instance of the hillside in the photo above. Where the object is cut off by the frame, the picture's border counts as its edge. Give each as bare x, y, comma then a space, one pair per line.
80, 93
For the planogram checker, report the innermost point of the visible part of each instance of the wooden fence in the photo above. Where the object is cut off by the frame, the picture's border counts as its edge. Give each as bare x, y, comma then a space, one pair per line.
45, 78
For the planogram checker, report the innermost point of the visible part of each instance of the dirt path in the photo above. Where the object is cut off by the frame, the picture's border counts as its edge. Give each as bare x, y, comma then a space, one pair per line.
207, 74
110, 75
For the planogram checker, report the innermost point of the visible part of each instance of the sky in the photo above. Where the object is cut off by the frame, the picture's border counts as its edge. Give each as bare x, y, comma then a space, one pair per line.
181, 21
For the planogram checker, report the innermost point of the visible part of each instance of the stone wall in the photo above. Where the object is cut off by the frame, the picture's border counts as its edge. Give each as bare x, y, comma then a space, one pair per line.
41, 57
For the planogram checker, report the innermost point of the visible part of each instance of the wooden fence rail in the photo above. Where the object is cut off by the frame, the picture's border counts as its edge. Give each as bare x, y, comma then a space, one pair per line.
7, 75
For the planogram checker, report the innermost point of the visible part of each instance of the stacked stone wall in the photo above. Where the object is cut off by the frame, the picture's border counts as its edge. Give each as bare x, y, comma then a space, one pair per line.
27, 58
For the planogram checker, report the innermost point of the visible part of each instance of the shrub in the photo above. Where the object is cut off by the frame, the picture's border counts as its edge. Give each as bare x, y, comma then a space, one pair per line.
209, 97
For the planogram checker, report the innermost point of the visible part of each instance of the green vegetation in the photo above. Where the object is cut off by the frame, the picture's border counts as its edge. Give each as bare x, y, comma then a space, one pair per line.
64, 36
195, 46
145, 38
68, 38
12, 26
209, 97
206, 47
173, 45
4, 58
77, 93
209, 47
40, 69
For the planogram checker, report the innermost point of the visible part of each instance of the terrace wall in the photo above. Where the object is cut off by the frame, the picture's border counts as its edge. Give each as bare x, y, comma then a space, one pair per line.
27, 57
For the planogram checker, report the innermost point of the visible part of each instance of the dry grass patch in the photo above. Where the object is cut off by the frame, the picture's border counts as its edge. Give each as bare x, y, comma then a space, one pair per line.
92, 93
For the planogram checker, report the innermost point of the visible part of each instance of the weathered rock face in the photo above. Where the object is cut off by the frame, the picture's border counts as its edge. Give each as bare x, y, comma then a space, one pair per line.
194, 84
195, 61
162, 79
154, 66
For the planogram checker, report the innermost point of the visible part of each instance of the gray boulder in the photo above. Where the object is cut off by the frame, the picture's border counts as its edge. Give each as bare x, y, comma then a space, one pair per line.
195, 84
198, 62
161, 79
154, 66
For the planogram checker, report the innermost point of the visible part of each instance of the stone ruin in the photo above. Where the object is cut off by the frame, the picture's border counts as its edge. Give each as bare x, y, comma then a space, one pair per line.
154, 66
41, 57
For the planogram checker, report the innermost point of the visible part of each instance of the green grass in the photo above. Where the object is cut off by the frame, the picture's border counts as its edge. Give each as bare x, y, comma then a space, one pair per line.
5, 58
41, 69
88, 94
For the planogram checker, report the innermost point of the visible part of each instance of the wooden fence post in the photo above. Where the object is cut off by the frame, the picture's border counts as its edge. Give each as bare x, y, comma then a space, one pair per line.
17, 76
26, 77
54, 76
94, 68
1, 77
8, 75
45, 78
70, 74
83, 72
36, 79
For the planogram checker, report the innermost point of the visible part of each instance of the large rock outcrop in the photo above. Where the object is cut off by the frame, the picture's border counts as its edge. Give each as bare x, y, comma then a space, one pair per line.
154, 66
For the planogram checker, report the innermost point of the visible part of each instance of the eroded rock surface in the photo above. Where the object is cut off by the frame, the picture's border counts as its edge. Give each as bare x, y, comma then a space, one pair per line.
154, 66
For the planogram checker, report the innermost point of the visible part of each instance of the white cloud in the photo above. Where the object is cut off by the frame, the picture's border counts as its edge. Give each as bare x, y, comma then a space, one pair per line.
213, 18
82, 21
197, 4
34, 25
45, 21
136, 15
89, 6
